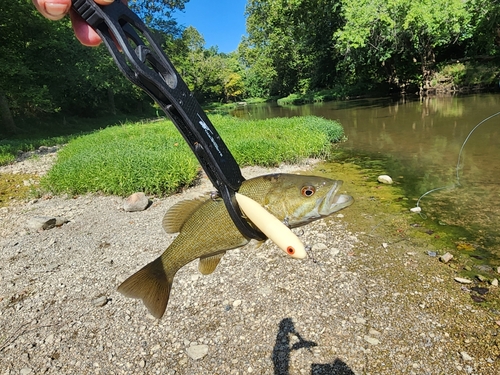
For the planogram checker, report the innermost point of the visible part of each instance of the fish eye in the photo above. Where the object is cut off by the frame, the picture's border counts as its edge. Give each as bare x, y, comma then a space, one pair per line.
290, 250
308, 191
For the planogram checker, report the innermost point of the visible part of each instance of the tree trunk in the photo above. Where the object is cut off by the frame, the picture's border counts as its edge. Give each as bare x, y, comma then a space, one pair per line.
7, 119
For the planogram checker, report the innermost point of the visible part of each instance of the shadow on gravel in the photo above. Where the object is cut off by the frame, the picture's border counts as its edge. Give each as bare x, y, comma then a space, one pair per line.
282, 350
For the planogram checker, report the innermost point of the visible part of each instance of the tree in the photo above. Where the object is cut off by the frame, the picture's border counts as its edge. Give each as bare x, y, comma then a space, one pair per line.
233, 86
289, 45
158, 14
484, 32
44, 70
392, 34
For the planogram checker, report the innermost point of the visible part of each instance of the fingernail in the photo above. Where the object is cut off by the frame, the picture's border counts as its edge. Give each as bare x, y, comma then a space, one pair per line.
56, 10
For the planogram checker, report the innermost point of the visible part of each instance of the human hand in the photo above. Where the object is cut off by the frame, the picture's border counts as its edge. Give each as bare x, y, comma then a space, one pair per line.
57, 9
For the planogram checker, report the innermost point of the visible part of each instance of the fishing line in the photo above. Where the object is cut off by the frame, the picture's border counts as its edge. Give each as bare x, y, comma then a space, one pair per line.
457, 183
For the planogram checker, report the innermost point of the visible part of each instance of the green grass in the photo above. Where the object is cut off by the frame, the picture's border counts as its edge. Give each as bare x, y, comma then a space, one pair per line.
35, 132
122, 159
312, 97
154, 158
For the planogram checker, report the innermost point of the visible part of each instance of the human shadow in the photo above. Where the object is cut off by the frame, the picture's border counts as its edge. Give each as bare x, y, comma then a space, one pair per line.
283, 348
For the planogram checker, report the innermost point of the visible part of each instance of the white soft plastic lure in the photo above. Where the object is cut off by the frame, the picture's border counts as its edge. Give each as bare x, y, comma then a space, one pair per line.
272, 227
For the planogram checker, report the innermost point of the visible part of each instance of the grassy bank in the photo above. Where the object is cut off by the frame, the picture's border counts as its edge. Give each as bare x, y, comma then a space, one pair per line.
154, 158
56, 130
466, 76
450, 77
312, 97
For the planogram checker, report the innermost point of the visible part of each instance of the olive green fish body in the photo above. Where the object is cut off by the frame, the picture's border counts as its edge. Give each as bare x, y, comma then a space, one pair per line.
206, 230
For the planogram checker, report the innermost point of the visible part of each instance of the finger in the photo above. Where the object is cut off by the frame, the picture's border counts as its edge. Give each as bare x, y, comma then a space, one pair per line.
53, 9
84, 33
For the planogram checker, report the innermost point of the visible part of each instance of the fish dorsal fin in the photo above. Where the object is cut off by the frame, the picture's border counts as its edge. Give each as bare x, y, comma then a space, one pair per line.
208, 265
178, 214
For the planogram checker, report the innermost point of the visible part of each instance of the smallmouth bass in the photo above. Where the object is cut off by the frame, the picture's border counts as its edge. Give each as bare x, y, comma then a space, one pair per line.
206, 230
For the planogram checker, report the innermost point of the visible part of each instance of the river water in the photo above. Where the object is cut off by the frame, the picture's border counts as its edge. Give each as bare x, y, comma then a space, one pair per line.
418, 143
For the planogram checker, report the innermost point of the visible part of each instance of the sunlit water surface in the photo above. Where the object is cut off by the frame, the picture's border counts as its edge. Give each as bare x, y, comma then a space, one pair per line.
419, 142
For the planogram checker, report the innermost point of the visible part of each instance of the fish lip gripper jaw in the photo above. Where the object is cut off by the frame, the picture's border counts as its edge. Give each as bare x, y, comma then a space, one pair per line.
144, 63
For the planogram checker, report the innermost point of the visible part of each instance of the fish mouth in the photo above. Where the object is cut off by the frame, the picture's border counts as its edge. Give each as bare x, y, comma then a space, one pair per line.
334, 202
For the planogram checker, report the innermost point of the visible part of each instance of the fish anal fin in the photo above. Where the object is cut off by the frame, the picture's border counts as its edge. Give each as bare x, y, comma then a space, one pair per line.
150, 284
208, 264
179, 213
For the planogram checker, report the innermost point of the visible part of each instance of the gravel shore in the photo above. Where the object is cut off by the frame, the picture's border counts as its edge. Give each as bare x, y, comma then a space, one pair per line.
360, 308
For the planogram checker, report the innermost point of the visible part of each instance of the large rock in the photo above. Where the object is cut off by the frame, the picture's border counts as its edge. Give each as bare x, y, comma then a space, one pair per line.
45, 222
136, 202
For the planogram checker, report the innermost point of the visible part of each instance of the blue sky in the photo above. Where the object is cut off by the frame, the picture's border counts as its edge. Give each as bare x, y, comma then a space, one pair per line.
221, 22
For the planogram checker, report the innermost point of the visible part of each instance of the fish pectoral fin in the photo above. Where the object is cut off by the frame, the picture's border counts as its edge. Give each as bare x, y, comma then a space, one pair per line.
208, 265
152, 285
178, 214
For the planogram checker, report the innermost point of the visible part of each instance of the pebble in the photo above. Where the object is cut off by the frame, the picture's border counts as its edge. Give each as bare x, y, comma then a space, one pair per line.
320, 246
432, 253
462, 280
484, 268
465, 356
237, 303
104, 335
25, 371
265, 291
197, 351
494, 282
385, 179
136, 202
334, 251
445, 258
371, 340
100, 302
373, 332
416, 209
49, 339
481, 278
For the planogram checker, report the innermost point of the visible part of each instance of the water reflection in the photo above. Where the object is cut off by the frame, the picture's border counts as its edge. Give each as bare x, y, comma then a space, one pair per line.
419, 141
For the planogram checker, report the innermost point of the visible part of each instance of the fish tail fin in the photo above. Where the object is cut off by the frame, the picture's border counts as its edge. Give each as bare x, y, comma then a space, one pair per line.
151, 284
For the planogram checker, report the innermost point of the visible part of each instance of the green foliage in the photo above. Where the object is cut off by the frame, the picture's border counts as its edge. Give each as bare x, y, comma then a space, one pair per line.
154, 158
483, 36
289, 45
233, 86
50, 132
400, 37
210, 75
344, 48
355, 46
312, 97
274, 141
123, 159
158, 14
467, 74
